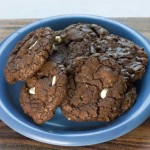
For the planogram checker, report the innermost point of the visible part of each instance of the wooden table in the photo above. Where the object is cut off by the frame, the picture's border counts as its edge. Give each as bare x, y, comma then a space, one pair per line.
138, 139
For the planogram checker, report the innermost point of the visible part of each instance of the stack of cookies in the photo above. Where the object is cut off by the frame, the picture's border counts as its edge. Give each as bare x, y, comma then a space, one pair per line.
83, 69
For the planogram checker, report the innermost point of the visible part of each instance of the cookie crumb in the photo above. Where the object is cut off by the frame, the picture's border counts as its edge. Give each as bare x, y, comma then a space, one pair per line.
53, 80
104, 93
58, 39
33, 45
32, 90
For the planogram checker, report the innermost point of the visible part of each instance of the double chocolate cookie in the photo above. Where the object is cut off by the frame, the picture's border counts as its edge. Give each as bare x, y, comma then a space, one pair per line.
29, 55
41, 94
78, 38
131, 57
96, 90
79, 32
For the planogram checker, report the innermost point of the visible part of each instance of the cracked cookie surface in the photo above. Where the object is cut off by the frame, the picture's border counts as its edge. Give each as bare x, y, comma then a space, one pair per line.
78, 32
131, 57
78, 38
96, 90
41, 94
29, 55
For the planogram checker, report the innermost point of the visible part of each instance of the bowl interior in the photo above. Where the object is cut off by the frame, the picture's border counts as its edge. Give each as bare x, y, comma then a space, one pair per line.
59, 124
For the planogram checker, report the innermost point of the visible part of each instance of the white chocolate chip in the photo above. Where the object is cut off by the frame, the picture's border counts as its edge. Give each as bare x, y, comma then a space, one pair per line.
58, 39
33, 45
32, 90
103, 93
53, 46
53, 80
69, 119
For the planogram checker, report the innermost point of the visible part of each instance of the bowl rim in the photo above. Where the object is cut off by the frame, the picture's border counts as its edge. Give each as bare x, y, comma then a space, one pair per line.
71, 139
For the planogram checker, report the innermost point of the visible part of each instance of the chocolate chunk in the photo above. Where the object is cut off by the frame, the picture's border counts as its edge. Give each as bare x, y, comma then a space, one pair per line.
59, 53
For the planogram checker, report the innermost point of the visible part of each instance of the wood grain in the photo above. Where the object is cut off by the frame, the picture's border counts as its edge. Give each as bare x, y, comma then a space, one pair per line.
138, 139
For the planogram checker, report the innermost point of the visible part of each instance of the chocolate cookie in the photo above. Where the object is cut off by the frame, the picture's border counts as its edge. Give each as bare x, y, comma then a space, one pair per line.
78, 38
130, 97
131, 57
80, 31
96, 90
41, 94
29, 55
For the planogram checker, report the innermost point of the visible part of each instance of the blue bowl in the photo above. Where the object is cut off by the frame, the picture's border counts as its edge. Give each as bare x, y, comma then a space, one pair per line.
58, 130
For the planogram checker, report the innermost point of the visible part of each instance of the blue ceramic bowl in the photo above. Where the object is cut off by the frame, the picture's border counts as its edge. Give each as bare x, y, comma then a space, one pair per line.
58, 130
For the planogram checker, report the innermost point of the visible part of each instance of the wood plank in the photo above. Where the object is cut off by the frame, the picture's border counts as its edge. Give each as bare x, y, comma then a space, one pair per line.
7, 27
